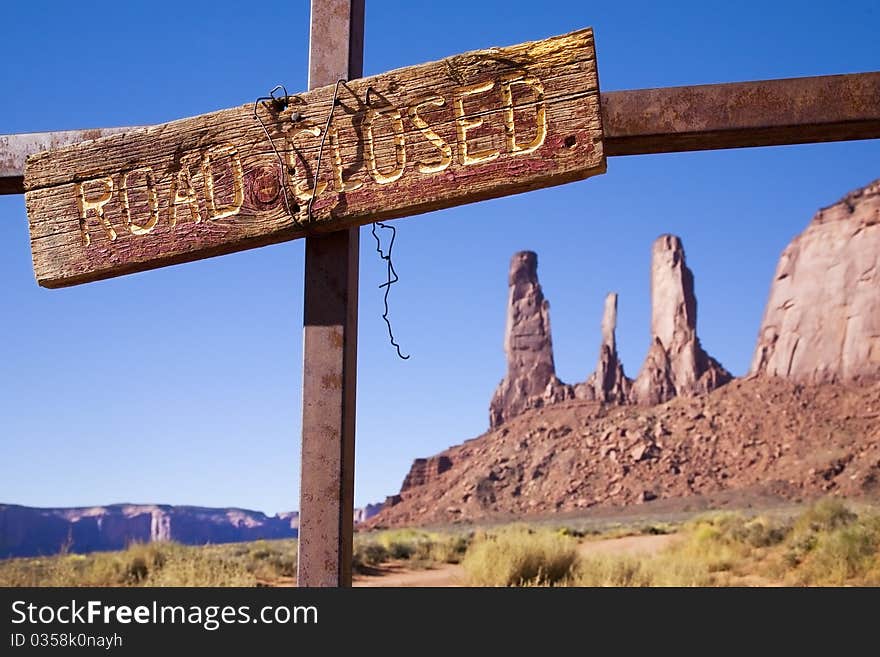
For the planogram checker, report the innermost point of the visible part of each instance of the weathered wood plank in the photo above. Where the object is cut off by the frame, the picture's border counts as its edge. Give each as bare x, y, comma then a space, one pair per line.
471, 127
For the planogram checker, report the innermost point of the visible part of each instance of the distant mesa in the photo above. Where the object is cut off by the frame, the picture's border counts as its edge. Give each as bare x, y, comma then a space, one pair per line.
26, 531
364, 513
29, 531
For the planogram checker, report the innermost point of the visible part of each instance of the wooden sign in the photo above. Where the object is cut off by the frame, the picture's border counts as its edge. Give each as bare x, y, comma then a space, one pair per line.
475, 126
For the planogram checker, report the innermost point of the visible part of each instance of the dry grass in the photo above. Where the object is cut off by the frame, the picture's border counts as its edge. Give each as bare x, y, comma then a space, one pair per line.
422, 549
158, 564
829, 544
233, 564
518, 555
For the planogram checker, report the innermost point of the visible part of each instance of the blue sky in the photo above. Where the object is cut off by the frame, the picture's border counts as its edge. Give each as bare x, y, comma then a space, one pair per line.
183, 385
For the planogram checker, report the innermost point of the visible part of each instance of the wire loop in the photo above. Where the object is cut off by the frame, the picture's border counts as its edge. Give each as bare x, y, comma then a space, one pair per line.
392, 279
279, 104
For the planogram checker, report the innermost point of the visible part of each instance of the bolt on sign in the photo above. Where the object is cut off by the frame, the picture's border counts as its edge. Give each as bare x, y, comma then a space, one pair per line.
470, 127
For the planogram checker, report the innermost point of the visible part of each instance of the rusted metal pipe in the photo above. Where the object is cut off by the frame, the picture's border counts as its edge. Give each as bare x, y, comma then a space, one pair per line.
742, 114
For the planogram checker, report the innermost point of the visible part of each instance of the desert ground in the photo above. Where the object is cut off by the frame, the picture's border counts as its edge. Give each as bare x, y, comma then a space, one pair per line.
830, 542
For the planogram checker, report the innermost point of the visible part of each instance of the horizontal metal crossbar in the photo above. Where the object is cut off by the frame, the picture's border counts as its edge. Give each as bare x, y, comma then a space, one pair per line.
742, 114
15, 149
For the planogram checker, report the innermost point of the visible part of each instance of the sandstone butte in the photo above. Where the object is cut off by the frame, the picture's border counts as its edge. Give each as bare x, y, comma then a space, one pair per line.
822, 322
804, 422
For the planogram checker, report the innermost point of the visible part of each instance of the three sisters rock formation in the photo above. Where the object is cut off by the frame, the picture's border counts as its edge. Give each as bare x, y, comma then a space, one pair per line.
676, 364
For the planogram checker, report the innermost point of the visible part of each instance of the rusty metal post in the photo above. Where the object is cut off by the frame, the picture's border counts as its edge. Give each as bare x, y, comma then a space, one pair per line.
330, 340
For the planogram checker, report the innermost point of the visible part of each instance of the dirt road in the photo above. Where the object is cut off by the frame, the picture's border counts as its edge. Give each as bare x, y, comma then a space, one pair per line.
645, 545
396, 573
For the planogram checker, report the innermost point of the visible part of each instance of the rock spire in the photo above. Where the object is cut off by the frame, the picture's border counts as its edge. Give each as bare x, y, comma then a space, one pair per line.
531, 379
676, 364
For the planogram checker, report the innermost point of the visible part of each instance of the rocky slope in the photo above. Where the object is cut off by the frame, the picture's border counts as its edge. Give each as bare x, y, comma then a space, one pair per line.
822, 321
764, 437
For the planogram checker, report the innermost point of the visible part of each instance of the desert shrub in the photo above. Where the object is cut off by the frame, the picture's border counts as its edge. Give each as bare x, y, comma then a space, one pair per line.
141, 560
367, 554
843, 554
712, 542
763, 533
422, 549
825, 515
266, 560
439, 548
704, 549
656, 529
406, 543
571, 531
130, 567
611, 570
150, 564
27, 572
258, 550
669, 568
401, 550
828, 544
449, 549
674, 568
200, 567
721, 541
516, 555
822, 518
845, 549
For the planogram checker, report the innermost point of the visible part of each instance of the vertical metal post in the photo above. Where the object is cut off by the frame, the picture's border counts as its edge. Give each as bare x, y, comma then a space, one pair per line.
330, 340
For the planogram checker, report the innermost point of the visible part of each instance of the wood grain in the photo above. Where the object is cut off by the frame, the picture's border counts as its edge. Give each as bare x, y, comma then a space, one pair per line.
470, 127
